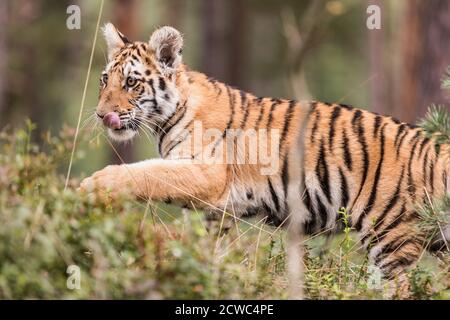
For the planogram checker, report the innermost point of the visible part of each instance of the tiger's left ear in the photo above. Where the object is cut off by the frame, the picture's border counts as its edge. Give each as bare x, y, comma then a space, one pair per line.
167, 43
115, 40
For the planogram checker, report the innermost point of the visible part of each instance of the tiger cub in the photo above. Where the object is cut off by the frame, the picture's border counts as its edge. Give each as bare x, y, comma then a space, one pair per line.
374, 166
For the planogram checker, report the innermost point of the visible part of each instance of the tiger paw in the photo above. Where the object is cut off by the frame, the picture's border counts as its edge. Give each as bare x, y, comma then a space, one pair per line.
110, 183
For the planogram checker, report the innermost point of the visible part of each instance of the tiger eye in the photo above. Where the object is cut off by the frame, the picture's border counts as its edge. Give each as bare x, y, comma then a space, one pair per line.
104, 78
131, 81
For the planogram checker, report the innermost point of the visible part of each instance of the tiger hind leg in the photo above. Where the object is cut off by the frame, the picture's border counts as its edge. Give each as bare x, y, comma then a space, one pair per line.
398, 250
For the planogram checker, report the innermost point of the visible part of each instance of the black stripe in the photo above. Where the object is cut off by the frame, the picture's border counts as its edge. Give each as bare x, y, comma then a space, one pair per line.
274, 196
393, 246
344, 190
346, 106
232, 107
347, 155
287, 120
270, 119
357, 116
322, 212
123, 38
392, 202
422, 145
215, 85
271, 217
334, 116
359, 129
411, 186
402, 262
152, 87
177, 142
310, 225
168, 127
444, 180
231, 119
278, 101
285, 176
394, 223
432, 175
376, 125
247, 108
261, 114
400, 143
373, 193
424, 169
316, 124
162, 84
322, 172
394, 120
401, 128
142, 101
219, 88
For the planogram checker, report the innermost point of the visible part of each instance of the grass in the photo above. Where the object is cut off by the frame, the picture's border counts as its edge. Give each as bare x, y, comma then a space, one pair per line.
131, 249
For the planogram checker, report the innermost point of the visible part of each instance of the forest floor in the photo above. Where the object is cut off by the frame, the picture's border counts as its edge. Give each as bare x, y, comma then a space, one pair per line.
131, 249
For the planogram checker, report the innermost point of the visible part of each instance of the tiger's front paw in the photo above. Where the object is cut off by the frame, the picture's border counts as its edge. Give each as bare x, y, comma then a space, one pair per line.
110, 183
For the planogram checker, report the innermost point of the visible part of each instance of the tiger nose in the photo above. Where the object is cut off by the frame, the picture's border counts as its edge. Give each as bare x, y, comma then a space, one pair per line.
112, 120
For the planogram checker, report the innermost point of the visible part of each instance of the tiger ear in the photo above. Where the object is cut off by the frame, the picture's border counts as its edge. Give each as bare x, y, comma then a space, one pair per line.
167, 43
114, 39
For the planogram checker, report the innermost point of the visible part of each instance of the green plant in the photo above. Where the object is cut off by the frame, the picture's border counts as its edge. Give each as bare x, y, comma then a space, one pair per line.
131, 249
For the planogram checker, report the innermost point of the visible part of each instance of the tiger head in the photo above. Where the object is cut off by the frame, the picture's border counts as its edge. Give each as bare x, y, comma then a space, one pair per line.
138, 85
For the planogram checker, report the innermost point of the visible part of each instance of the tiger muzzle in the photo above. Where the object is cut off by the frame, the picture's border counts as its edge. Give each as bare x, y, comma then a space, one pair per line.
112, 120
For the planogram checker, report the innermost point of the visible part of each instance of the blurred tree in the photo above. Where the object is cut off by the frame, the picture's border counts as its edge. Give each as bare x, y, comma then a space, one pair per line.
425, 56
175, 10
378, 79
225, 41
3, 53
239, 15
302, 35
214, 51
125, 18
25, 13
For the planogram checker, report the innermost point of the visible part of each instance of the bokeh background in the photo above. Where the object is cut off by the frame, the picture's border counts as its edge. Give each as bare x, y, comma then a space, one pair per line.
302, 49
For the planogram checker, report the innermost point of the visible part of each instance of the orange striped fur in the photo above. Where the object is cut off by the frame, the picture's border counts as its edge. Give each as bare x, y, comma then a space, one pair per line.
374, 166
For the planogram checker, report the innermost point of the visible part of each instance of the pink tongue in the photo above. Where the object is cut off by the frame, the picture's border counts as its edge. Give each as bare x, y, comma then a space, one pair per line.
112, 120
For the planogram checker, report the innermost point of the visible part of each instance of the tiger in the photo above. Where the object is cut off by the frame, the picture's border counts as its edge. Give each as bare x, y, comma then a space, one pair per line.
328, 156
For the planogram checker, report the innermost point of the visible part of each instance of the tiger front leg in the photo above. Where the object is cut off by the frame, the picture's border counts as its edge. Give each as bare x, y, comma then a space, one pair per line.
160, 180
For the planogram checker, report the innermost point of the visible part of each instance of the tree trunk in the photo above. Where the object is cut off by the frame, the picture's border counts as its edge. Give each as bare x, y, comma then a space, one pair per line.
214, 49
378, 99
175, 13
224, 41
3, 55
27, 12
425, 57
238, 17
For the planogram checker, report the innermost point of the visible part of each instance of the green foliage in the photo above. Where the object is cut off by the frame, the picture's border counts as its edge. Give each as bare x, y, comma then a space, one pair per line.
434, 217
437, 120
121, 251
130, 249
437, 124
446, 80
